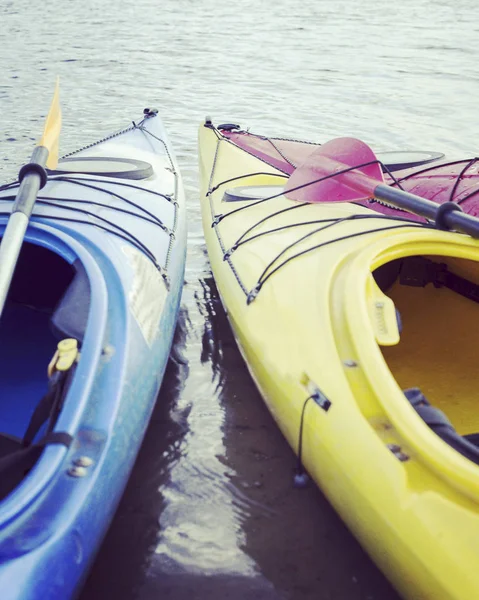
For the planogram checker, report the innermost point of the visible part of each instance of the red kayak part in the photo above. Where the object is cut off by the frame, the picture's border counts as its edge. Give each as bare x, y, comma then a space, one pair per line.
452, 182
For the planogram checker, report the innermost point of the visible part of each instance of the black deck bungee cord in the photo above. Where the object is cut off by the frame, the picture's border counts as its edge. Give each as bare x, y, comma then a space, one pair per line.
220, 217
333, 221
301, 239
147, 219
9, 186
129, 237
467, 196
81, 181
458, 180
459, 177
51, 201
132, 239
76, 177
237, 244
46, 201
172, 169
267, 217
432, 167
254, 292
103, 219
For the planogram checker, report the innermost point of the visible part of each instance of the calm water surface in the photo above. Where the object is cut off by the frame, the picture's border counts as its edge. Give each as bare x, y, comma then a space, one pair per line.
210, 511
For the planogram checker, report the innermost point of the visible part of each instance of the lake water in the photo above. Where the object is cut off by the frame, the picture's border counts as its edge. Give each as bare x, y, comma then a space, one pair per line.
210, 511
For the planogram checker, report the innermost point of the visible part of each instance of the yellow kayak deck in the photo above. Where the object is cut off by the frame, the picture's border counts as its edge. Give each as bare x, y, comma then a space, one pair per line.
312, 321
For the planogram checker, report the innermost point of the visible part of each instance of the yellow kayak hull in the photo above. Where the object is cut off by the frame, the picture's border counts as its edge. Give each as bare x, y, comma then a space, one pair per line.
296, 283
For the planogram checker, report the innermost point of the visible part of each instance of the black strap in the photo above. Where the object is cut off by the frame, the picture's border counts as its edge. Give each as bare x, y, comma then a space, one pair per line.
440, 424
49, 406
14, 466
24, 455
419, 271
461, 286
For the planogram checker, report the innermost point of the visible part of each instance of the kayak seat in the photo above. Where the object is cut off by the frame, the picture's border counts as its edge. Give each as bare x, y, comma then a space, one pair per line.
473, 438
440, 424
71, 313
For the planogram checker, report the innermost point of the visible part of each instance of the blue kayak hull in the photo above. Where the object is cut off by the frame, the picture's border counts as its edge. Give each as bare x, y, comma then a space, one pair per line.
51, 525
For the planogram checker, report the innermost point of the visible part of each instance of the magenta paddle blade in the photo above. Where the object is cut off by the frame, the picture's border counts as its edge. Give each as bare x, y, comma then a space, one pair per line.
322, 167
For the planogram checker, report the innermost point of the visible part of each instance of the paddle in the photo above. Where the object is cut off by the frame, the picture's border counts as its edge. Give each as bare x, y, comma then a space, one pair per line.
346, 170
32, 177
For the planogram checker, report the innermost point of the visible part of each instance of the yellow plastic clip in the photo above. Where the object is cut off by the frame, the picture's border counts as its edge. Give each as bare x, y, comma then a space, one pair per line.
64, 357
382, 314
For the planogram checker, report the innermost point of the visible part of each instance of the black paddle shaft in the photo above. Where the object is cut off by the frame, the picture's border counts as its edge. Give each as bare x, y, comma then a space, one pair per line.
446, 216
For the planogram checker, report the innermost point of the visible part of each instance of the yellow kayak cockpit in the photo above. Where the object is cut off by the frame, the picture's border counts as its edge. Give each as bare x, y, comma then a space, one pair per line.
437, 311
440, 315
423, 312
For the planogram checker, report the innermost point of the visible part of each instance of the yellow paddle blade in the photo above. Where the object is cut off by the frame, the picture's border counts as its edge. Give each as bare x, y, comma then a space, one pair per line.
51, 133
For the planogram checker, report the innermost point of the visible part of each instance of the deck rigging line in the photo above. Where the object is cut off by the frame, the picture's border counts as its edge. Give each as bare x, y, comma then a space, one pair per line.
113, 228
326, 223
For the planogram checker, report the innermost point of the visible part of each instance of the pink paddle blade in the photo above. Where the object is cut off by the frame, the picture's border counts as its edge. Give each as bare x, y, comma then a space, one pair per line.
331, 158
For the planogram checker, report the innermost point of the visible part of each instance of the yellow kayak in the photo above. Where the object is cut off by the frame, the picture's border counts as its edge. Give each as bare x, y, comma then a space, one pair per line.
359, 329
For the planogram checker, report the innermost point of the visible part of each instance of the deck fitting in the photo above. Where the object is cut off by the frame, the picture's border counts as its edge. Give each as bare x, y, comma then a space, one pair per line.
76, 471
398, 453
83, 461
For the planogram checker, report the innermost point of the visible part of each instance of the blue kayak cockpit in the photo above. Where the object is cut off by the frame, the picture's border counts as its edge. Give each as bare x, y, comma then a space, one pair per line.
48, 300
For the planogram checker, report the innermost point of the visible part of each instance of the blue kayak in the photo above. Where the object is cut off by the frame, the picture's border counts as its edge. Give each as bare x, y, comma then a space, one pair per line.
84, 341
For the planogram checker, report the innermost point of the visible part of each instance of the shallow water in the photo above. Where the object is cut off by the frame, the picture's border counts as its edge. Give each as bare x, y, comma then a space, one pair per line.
210, 511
